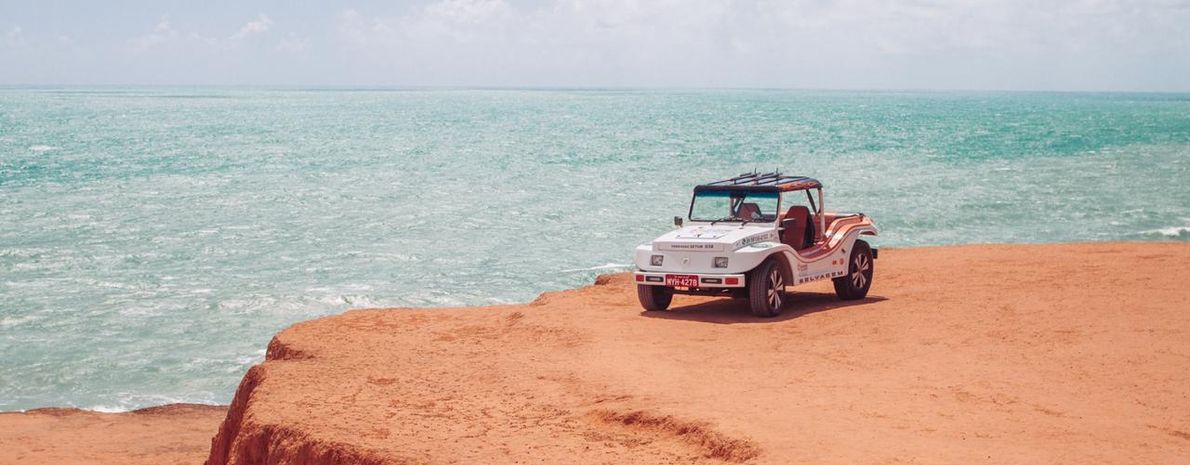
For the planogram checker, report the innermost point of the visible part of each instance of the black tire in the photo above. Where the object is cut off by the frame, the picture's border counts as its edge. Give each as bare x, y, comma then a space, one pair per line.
766, 286
860, 267
654, 298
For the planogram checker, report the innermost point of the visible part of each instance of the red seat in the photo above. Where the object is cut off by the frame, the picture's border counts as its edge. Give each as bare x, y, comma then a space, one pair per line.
798, 235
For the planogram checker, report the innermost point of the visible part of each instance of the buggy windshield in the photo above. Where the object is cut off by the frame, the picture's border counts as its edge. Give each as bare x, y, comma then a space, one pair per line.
741, 206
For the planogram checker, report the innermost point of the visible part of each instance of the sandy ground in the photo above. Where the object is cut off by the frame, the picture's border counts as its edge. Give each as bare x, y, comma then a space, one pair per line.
173, 434
1076, 354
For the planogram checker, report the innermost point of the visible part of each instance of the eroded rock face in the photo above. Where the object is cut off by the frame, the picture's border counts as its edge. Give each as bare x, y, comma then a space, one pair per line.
169, 434
959, 354
420, 386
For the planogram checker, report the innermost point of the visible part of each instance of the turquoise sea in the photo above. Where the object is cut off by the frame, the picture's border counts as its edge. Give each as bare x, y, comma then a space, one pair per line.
152, 240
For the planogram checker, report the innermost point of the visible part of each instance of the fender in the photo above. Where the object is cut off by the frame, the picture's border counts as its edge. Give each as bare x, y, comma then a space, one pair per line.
783, 253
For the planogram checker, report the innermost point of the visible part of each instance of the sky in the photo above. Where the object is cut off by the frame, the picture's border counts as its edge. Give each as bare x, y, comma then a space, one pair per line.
1063, 45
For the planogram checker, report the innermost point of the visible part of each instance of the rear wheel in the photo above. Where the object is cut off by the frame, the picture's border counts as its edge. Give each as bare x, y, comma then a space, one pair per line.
766, 287
855, 284
654, 298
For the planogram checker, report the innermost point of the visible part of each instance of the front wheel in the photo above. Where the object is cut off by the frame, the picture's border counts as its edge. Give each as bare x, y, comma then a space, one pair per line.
654, 298
855, 284
766, 286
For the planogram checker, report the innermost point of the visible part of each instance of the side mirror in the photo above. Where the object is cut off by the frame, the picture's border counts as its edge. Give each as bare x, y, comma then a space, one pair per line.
678, 221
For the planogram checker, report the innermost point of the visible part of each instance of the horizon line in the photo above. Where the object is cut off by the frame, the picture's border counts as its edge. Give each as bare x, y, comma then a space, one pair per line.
431, 87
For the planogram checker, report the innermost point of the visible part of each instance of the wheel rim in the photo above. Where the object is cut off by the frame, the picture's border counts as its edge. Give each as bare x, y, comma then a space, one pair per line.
859, 273
776, 285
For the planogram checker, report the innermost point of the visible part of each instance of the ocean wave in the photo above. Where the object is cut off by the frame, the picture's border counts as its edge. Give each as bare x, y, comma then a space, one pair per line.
107, 409
42, 148
127, 402
1172, 231
605, 266
10, 322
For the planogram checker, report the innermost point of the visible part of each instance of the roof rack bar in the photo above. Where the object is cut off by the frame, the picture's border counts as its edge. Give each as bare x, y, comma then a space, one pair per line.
738, 179
752, 178
763, 179
789, 179
743, 179
771, 178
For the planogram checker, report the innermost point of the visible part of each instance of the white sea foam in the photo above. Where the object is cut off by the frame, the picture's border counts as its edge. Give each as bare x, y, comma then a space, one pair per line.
605, 266
107, 409
350, 300
244, 360
42, 148
1172, 231
130, 401
9, 322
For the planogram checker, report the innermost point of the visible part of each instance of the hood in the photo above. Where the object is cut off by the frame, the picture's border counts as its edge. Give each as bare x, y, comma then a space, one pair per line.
717, 238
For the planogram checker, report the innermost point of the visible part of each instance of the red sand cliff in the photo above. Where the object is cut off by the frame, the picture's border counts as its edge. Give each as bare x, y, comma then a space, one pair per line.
1002, 354
1041, 354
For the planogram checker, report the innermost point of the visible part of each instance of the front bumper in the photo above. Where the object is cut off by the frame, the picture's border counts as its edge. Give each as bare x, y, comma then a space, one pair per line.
705, 281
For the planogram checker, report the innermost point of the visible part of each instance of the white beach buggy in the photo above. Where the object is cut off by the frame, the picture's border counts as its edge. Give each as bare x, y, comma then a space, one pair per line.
750, 236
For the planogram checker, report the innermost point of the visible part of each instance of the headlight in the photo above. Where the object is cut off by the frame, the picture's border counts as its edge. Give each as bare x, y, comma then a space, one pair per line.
656, 260
720, 262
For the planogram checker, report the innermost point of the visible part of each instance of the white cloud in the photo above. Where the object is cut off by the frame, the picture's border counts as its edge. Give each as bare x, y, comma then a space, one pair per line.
165, 34
259, 25
162, 33
451, 20
466, 11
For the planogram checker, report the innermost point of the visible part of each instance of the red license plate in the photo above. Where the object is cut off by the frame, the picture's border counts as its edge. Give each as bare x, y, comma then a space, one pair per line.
681, 280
